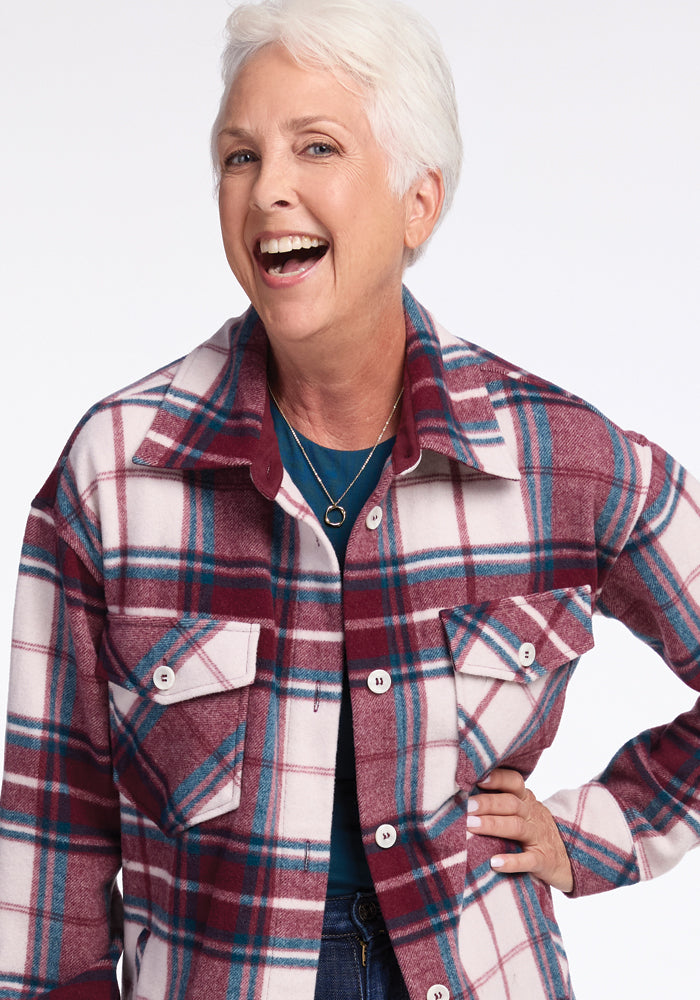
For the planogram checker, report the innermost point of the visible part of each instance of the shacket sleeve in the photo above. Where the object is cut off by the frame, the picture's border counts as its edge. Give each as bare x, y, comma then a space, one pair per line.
642, 814
60, 909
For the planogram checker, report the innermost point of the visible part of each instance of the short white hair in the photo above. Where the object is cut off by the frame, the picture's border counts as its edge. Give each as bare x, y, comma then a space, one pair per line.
392, 53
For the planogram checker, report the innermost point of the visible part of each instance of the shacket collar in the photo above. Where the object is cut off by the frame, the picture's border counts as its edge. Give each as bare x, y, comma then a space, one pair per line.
449, 408
216, 413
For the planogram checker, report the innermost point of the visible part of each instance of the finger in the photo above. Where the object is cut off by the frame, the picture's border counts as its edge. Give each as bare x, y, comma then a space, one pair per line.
504, 827
504, 779
510, 864
503, 804
558, 876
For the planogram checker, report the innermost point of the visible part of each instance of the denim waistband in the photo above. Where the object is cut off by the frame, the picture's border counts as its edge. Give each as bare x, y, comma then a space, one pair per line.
356, 960
358, 913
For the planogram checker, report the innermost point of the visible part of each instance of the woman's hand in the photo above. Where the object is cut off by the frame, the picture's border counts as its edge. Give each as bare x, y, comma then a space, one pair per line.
514, 813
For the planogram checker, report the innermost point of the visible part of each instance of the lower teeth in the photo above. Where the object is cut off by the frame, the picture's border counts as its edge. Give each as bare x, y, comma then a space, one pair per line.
278, 269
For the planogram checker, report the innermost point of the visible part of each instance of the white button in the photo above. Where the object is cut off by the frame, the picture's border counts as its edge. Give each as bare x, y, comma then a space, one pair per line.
438, 992
374, 518
379, 681
526, 654
164, 677
386, 835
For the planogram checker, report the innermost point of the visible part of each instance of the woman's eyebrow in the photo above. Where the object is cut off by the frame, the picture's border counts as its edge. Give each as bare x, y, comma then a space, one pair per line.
292, 125
299, 124
235, 133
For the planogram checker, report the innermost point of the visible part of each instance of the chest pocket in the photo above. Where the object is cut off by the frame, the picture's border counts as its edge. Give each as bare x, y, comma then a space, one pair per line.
513, 659
178, 702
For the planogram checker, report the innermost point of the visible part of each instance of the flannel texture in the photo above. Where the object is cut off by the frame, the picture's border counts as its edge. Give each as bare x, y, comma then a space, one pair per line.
180, 633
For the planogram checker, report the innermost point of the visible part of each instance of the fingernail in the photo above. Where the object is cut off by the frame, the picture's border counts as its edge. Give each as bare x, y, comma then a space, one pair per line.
472, 805
485, 780
496, 862
473, 821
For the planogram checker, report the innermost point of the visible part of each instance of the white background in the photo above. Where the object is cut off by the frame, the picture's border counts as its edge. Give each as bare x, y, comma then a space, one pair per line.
573, 249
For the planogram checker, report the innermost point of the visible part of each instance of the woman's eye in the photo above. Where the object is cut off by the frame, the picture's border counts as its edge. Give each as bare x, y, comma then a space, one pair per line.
239, 158
320, 149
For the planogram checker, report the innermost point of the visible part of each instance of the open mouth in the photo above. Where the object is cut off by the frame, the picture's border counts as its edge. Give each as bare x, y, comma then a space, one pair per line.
290, 254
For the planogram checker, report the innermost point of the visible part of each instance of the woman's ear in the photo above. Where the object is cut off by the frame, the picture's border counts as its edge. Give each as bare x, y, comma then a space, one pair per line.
424, 202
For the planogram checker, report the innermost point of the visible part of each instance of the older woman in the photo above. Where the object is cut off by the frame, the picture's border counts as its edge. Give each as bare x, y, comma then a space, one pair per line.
297, 614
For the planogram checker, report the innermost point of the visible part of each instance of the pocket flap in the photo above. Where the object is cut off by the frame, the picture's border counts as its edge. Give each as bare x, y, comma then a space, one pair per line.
520, 638
170, 660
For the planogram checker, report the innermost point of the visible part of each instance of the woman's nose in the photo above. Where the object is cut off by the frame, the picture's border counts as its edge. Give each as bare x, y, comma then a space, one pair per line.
273, 187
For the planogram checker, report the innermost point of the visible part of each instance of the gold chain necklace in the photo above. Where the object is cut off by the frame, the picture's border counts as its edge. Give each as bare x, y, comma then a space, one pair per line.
335, 514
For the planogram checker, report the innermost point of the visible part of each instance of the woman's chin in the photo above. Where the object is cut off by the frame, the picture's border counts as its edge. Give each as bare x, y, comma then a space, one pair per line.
291, 324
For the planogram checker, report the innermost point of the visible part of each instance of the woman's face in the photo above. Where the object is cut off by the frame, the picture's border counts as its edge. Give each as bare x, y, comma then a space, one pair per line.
310, 228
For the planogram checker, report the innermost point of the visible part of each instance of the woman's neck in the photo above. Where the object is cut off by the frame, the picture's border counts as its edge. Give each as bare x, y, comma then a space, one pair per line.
342, 400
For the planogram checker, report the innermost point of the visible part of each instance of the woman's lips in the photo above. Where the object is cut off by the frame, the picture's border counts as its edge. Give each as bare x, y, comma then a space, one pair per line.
283, 260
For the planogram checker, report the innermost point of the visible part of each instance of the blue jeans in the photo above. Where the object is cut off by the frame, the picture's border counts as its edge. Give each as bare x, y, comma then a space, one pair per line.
357, 961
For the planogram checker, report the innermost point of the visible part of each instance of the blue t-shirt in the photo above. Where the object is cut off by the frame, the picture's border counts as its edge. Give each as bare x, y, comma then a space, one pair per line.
349, 871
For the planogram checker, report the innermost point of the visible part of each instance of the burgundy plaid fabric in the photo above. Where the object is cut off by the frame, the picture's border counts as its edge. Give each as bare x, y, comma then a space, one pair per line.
180, 635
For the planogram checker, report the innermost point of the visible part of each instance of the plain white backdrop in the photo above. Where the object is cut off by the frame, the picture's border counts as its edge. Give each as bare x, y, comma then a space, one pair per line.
573, 249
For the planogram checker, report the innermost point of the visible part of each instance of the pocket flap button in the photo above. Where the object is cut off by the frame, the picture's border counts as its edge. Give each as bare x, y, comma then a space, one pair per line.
164, 677
526, 654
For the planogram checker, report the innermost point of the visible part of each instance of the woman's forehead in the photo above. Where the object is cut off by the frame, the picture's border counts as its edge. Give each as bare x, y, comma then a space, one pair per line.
273, 78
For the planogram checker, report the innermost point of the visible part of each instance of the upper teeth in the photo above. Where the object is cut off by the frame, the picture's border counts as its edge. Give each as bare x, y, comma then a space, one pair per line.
287, 243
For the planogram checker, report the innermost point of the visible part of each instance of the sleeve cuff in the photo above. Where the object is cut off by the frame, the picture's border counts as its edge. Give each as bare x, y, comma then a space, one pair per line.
597, 839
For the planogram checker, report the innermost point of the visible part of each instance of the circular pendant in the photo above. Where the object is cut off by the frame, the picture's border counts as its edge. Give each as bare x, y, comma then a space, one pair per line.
335, 515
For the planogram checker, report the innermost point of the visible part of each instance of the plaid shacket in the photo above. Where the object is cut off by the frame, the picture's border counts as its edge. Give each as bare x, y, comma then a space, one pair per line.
180, 634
